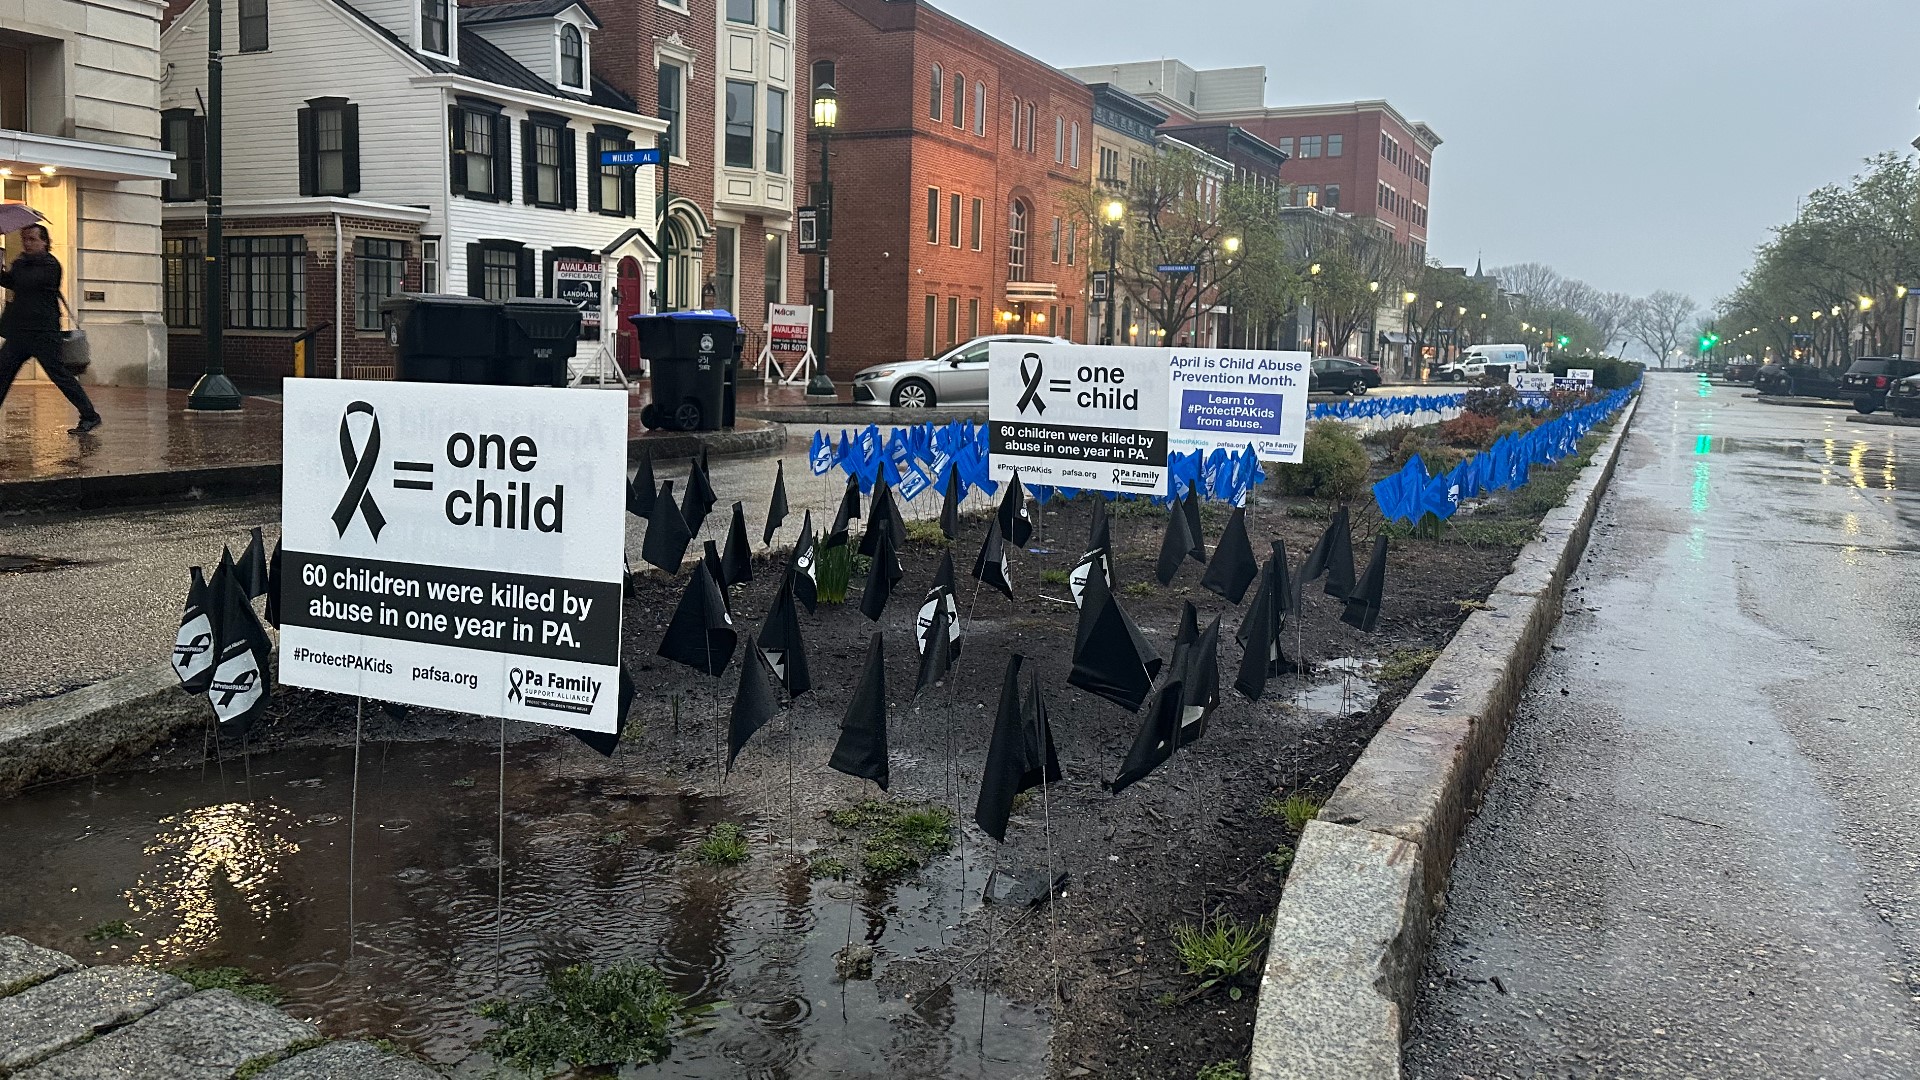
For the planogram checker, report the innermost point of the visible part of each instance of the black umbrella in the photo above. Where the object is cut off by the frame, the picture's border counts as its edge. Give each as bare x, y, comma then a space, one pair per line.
862, 749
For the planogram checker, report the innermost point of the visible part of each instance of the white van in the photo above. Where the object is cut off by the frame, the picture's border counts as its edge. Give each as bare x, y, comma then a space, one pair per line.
1474, 360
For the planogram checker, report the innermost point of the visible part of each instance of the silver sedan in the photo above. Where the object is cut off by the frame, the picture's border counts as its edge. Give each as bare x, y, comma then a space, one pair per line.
956, 377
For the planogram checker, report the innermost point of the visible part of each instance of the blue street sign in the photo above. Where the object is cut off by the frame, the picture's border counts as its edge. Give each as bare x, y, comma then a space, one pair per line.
648, 156
1176, 268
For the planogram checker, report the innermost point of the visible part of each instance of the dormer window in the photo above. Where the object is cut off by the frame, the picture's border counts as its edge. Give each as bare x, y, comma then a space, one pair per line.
433, 27
573, 64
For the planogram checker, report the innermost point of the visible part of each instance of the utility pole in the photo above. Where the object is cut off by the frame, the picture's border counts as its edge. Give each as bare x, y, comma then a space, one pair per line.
214, 392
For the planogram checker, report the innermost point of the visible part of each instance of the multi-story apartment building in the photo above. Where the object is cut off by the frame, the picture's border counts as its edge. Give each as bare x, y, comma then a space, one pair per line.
79, 125
957, 162
382, 146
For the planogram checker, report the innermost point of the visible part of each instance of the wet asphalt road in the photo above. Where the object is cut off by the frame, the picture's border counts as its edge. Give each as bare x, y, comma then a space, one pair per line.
1700, 853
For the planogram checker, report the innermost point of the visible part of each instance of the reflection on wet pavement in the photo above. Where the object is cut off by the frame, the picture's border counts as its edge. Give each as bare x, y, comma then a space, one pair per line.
246, 864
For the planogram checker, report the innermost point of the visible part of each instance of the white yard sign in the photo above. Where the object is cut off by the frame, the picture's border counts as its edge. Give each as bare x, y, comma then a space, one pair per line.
1081, 416
455, 547
1229, 399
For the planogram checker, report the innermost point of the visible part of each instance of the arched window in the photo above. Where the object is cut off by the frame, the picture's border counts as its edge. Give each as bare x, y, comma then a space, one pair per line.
1016, 123
933, 94
572, 57
959, 95
979, 108
1017, 241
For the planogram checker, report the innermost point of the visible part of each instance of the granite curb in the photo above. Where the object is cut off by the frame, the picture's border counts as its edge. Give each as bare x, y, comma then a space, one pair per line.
1885, 420
1351, 932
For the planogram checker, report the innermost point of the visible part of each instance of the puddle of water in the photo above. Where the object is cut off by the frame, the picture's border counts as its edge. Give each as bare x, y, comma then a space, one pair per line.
1340, 687
252, 870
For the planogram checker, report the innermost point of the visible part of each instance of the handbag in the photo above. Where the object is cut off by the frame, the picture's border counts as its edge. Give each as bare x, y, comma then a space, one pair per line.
75, 351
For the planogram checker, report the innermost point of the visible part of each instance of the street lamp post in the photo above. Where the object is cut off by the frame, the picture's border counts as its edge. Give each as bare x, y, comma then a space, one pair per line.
1313, 313
1231, 245
826, 117
1113, 211
214, 392
1406, 366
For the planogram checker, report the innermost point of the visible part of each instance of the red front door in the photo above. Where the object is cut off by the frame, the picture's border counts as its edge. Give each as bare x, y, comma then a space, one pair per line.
633, 286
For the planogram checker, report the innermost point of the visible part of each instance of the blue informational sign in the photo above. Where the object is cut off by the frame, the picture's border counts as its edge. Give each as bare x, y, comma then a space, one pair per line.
1239, 412
1176, 268
648, 156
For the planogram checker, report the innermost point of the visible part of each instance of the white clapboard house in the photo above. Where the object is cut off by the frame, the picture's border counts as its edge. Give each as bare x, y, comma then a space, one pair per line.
374, 147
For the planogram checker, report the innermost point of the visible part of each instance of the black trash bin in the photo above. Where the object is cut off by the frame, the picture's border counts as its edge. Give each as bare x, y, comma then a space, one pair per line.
442, 338
537, 338
691, 356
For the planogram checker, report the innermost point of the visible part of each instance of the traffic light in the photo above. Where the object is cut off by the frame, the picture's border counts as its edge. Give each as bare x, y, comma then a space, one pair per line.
1563, 341
1708, 340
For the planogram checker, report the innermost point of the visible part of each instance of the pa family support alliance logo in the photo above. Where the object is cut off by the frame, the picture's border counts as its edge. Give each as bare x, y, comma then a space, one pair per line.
492, 455
554, 692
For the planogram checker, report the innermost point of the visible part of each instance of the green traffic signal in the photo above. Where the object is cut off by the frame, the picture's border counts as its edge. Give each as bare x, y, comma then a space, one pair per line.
1563, 341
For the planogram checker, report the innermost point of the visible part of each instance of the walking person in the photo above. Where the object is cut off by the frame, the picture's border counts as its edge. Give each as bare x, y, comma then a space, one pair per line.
31, 323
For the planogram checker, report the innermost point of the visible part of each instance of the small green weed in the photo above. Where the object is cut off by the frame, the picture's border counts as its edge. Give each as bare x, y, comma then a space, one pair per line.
1053, 577
1311, 511
1406, 665
1130, 508
614, 838
1022, 801
920, 531
827, 866
1167, 999
1220, 1070
1138, 588
619, 1016
897, 838
1297, 808
237, 980
724, 845
1281, 858
1470, 605
463, 782
255, 1066
832, 572
1219, 950
117, 930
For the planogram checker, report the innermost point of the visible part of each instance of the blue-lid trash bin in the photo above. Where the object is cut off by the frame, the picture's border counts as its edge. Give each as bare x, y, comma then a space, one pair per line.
691, 357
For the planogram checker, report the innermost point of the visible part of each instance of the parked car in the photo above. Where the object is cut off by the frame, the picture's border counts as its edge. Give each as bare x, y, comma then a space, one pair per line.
1333, 374
1903, 397
1798, 380
1870, 377
1742, 371
955, 377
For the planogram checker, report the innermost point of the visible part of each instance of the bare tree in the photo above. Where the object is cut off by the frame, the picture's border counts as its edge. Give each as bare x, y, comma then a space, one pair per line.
1610, 314
1659, 322
1538, 282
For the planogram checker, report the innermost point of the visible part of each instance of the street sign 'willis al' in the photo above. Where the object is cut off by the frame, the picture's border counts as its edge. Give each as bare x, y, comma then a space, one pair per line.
1078, 416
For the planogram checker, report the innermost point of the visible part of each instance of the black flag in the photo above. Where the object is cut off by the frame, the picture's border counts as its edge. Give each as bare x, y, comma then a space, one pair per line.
940, 596
991, 565
1175, 546
801, 570
641, 490
1190, 506
1115, 661
936, 647
1021, 755
1285, 592
1197, 666
1016, 524
699, 499
862, 749
1154, 742
1189, 631
239, 689
844, 517
737, 560
605, 743
950, 505
777, 508
1232, 568
193, 644
1363, 602
252, 567
701, 634
1098, 556
1260, 638
883, 573
1333, 556
1093, 597
273, 585
780, 644
753, 705
710, 556
667, 537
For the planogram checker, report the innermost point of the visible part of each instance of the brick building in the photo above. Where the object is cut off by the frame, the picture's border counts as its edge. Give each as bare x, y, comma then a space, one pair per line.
956, 161
1360, 157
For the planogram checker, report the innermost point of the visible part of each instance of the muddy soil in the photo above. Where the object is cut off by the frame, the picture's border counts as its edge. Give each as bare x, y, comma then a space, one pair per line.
1189, 842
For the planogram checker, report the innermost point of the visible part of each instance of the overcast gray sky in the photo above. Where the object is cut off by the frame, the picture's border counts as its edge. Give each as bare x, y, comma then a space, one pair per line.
1634, 144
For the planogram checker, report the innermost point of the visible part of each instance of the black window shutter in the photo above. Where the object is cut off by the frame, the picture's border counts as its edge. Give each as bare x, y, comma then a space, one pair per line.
457, 148
569, 151
503, 159
527, 284
196, 157
594, 147
546, 270
350, 147
476, 271
308, 173
529, 164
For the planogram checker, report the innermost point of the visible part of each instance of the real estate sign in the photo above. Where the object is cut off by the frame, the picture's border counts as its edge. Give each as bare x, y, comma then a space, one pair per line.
1232, 398
579, 282
789, 328
455, 547
1082, 416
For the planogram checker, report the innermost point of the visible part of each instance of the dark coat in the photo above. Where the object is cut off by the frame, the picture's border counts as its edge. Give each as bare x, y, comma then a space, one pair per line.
35, 308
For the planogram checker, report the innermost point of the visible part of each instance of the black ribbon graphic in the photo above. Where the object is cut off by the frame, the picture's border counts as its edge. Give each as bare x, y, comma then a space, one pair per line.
1032, 392
515, 676
359, 474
